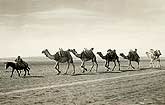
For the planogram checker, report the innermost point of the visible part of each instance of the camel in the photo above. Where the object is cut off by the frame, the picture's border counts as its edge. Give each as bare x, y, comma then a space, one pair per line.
132, 56
111, 56
154, 56
60, 59
86, 55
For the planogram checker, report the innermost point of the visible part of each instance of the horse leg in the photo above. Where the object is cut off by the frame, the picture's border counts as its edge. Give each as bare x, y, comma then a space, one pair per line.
18, 72
12, 73
83, 66
57, 68
67, 68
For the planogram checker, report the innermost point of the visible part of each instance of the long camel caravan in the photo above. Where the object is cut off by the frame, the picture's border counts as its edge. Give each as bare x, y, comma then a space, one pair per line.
60, 58
86, 55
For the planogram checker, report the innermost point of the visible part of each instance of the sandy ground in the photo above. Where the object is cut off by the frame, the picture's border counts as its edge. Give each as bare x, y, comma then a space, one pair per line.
144, 88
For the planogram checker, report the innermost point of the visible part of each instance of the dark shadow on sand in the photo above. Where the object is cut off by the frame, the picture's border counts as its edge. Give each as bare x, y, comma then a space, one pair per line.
8, 70
34, 76
146, 68
84, 74
109, 72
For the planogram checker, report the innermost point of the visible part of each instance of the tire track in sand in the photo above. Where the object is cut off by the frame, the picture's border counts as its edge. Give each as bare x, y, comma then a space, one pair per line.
76, 83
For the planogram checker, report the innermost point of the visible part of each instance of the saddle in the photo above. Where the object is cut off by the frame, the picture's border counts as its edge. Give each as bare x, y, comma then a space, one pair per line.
22, 64
88, 53
133, 55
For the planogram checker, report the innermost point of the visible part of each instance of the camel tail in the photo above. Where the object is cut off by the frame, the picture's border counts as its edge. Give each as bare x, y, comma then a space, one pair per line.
125, 57
28, 68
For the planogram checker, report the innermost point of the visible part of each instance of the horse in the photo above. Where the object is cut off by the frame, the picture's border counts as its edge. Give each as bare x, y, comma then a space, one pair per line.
17, 67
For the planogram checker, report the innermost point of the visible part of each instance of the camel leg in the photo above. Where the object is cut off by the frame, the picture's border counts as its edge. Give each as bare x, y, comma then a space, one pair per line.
67, 68
158, 63
25, 72
28, 69
129, 64
83, 66
73, 68
96, 66
132, 66
118, 63
151, 64
94, 60
92, 66
12, 73
138, 65
107, 65
114, 66
57, 68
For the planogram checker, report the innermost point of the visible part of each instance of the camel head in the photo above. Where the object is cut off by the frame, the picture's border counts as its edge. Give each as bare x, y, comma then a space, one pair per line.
99, 53
159, 52
72, 50
122, 55
44, 50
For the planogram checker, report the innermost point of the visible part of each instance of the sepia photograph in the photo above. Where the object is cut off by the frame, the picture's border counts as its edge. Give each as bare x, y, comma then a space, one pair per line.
82, 52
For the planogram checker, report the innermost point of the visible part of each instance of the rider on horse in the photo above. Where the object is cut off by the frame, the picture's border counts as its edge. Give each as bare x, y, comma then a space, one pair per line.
19, 61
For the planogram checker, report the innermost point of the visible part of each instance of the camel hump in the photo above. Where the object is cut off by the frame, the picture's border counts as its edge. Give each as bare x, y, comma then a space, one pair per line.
88, 53
133, 54
62, 53
157, 53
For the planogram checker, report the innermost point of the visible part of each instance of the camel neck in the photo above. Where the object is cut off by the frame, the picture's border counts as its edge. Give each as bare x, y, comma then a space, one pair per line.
101, 55
76, 54
49, 55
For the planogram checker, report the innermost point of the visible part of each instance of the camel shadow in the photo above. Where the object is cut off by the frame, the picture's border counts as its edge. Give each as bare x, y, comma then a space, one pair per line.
157, 68
146, 68
34, 76
84, 74
8, 71
127, 70
104, 72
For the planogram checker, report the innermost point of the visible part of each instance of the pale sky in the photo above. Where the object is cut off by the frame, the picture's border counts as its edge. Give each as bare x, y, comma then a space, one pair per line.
29, 26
